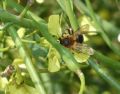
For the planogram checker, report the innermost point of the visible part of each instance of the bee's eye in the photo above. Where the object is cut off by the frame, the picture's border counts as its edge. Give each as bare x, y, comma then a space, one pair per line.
80, 39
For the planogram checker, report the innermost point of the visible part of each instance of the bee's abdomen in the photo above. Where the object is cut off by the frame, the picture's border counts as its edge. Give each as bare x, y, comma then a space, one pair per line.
80, 38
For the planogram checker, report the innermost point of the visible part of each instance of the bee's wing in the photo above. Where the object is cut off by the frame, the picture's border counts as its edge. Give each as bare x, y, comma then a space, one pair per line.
82, 53
84, 29
83, 48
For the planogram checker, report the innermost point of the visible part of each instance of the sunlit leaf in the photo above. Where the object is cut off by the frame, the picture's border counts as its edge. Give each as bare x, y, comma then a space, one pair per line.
21, 32
19, 78
39, 1
87, 21
21, 89
53, 56
53, 60
17, 61
9, 42
44, 42
53, 64
118, 38
3, 83
83, 54
54, 25
81, 57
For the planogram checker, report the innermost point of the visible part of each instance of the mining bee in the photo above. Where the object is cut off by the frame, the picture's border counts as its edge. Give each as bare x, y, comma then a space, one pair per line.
74, 40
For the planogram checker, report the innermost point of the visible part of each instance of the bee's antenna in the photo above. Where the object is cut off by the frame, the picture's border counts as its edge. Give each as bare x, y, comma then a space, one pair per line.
70, 31
78, 29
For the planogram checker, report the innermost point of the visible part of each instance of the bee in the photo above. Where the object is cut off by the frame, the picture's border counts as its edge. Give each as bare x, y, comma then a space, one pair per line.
8, 71
74, 40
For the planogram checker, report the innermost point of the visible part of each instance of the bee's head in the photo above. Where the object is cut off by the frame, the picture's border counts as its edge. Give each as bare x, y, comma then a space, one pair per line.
67, 42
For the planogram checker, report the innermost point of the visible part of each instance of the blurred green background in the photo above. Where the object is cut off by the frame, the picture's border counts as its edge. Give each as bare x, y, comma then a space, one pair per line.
65, 82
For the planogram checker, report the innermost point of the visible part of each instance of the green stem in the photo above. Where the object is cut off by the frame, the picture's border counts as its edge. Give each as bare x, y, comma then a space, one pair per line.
69, 11
106, 61
104, 75
117, 3
4, 4
4, 49
28, 41
92, 15
62, 5
28, 62
29, 3
82, 79
24, 11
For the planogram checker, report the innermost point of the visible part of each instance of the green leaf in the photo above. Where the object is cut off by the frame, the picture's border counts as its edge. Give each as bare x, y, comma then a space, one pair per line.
21, 89
54, 26
40, 1
81, 57
19, 78
53, 60
21, 32
62, 4
53, 56
44, 42
3, 83
83, 53
9, 42
53, 64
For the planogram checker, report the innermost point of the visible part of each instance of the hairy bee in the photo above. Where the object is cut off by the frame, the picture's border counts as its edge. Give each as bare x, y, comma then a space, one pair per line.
74, 40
